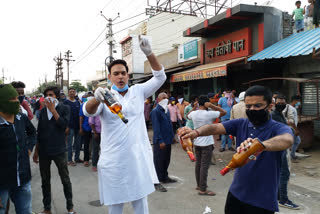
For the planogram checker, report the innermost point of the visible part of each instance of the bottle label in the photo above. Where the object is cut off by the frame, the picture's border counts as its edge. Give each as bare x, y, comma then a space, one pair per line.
251, 157
109, 99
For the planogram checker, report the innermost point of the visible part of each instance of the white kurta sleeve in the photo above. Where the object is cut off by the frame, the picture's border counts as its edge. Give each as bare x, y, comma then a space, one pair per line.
99, 110
151, 86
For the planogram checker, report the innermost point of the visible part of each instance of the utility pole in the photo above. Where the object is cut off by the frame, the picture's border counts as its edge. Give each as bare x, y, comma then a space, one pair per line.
67, 58
109, 35
3, 76
59, 74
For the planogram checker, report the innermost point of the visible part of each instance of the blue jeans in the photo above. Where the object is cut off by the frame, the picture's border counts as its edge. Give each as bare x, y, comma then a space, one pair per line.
73, 134
20, 196
284, 178
296, 143
299, 25
226, 139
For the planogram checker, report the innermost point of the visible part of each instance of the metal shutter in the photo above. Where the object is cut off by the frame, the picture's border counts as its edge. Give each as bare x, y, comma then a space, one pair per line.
309, 100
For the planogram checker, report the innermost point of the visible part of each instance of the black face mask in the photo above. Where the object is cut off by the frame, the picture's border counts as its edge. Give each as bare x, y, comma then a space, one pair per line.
280, 107
21, 98
258, 117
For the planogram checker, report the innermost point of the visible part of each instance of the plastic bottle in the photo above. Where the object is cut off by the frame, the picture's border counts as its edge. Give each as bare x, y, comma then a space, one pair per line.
240, 159
114, 105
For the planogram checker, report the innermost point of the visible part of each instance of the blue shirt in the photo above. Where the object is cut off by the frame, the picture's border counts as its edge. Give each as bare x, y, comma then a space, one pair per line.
223, 101
85, 124
162, 126
256, 183
74, 113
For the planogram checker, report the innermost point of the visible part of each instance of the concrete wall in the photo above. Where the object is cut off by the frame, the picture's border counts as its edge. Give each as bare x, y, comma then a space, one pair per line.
166, 30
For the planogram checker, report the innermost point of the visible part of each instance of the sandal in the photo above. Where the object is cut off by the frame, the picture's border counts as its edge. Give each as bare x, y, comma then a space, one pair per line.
86, 163
71, 163
207, 193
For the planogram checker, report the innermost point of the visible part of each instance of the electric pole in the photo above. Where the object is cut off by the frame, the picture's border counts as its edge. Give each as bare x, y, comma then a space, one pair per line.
59, 74
3, 76
67, 58
109, 35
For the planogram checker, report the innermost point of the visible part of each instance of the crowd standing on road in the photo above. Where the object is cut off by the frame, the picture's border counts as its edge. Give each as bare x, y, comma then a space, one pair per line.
129, 168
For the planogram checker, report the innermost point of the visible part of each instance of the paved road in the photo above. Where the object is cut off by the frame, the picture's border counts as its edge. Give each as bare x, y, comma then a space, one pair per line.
181, 197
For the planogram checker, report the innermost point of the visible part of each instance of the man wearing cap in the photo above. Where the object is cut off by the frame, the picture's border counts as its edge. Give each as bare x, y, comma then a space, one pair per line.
15, 179
239, 109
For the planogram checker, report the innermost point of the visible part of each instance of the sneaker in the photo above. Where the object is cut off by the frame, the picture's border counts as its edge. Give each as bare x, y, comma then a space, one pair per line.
222, 150
160, 188
289, 204
94, 168
169, 180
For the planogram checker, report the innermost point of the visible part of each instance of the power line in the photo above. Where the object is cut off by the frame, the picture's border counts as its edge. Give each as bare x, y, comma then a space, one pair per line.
77, 62
129, 18
131, 26
91, 44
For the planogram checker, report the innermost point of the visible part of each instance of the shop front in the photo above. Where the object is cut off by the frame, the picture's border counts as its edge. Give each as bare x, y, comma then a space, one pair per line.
228, 39
300, 54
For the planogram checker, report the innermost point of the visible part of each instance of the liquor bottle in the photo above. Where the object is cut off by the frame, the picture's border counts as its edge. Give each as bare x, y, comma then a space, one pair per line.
114, 105
187, 146
240, 159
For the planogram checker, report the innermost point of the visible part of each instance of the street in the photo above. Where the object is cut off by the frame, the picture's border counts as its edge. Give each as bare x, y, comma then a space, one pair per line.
181, 198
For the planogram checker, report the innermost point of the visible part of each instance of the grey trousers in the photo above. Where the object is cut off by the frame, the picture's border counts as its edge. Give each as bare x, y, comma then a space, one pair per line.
203, 157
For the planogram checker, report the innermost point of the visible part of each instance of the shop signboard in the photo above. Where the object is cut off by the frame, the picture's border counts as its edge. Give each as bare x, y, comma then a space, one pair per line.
230, 46
202, 74
188, 51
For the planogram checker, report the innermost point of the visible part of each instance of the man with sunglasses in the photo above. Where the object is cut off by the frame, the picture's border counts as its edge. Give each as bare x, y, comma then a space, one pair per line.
255, 185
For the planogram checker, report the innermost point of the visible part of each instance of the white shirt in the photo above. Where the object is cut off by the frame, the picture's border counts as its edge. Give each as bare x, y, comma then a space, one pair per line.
291, 114
125, 169
201, 118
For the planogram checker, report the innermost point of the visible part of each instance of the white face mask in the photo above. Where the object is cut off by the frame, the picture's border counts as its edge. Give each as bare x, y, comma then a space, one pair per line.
164, 104
53, 100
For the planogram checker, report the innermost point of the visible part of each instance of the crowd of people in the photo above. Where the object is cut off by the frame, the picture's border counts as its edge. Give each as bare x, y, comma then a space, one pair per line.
129, 168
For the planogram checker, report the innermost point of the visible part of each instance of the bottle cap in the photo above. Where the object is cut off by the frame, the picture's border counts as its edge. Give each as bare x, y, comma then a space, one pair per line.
224, 171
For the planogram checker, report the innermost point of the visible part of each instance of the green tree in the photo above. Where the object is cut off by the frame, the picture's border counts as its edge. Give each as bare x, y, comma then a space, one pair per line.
0, 81
76, 84
44, 85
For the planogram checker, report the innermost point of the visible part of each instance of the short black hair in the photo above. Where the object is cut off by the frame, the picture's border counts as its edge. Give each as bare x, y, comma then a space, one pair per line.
117, 62
295, 97
193, 98
259, 90
280, 96
55, 90
71, 89
203, 99
18, 84
276, 92
298, 2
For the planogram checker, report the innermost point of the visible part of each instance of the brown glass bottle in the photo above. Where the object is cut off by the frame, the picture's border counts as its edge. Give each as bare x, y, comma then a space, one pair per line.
240, 159
187, 146
114, 106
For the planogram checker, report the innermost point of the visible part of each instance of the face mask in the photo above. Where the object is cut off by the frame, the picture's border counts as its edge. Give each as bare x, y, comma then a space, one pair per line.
280, 107
298, 104
114, 87
164, 104
258, 117
21, 98
7, 92
10, 107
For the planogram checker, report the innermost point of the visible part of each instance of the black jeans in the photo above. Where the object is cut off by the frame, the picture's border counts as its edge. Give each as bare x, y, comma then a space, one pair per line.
95, 149
203, 157
85, 140
62, 165
235, 206
161, 160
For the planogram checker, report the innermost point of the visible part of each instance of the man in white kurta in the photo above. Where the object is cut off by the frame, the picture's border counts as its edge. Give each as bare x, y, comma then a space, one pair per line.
125, 169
